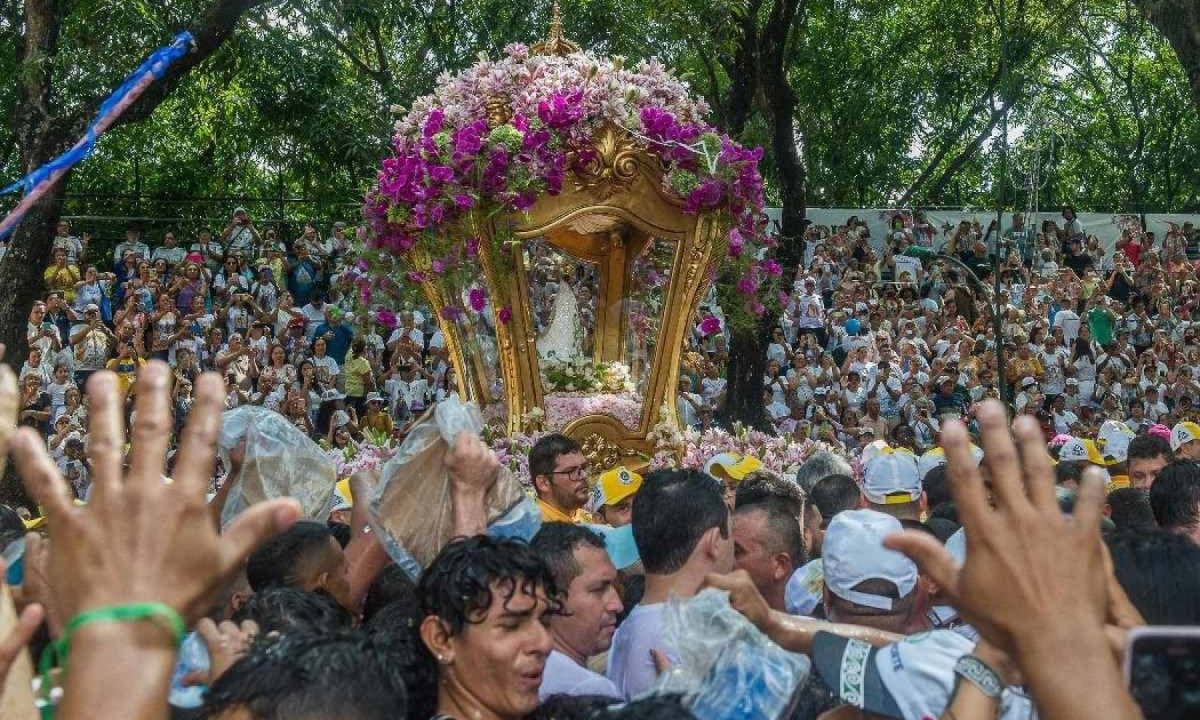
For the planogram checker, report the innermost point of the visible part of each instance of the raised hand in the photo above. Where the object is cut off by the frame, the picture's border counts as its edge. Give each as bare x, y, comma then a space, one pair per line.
141, 539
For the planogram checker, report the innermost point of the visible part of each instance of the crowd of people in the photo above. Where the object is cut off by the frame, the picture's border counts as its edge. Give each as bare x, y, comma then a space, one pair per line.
952, 557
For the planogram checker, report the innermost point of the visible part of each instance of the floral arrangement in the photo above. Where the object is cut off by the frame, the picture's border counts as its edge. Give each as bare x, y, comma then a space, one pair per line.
498, 135
562, 408
780, 454
584, 376
370, 455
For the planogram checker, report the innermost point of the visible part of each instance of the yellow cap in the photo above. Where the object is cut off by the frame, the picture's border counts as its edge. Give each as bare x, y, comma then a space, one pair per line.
730, 466
1184, 433
614, 486
343, 499
1117, 482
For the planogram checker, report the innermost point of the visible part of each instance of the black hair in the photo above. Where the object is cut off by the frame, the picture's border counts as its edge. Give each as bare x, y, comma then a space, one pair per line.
917, 525
282, 609
1175, 496
595, 707
1160, 572
545, 453
1068, 471
671, 512
835, 494
947, 510
941, 527
1130, 508
312, 676
1148, 447
341, 532
633, 589
457, 586
555, 544
786, 532
277, 562
937, 485
392, 585
761, 485
11, 526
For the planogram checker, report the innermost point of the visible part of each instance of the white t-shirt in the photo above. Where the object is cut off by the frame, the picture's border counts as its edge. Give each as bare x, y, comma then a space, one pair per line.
562, 676
630, 666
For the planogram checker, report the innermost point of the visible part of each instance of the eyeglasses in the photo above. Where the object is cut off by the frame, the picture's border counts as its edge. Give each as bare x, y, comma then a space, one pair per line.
572, 472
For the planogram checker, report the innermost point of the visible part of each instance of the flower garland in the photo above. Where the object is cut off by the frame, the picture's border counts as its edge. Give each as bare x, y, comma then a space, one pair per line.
451, 168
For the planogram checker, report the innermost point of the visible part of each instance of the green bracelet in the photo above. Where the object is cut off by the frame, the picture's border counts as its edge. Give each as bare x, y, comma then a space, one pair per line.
56, 652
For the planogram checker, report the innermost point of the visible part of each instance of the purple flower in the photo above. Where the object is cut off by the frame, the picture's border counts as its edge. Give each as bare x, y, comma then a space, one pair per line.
441, 173
386, 318
478, 299
416, 277
736, 242
710, 325
747, 285
451, 313
758, 308
561, 111
438, 267
505, 314
463, 201
771, 267
433, 123
472, 246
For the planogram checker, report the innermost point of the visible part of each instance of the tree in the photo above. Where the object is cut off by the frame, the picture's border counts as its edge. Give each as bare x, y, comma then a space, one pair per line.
1179, 22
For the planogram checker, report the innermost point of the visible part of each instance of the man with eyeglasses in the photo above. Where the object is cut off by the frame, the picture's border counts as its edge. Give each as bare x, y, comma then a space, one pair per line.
560, 477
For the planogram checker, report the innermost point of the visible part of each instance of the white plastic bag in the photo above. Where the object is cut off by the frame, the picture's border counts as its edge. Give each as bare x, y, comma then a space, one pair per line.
411, 508
279, 461
726, 668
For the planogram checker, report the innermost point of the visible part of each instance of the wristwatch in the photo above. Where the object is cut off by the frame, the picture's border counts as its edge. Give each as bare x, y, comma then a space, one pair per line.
980, 675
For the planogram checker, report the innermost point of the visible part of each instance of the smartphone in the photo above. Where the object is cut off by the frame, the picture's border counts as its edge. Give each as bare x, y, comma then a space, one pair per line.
1162, 669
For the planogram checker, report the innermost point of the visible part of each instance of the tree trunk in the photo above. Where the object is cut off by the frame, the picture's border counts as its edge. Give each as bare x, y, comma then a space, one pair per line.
747, 350
1179, 22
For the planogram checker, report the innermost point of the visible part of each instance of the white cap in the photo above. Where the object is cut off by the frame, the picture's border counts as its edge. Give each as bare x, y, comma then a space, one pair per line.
853, 553
1116, 436
1183, 433
891, 478
332, 394
805, 589
937, 456
1026, 382
874, 449
340, 418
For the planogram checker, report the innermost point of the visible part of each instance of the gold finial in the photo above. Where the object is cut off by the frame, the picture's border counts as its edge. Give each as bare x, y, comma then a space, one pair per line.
555, 43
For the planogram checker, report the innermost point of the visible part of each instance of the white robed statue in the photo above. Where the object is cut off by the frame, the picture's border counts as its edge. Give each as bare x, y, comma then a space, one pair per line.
562, 339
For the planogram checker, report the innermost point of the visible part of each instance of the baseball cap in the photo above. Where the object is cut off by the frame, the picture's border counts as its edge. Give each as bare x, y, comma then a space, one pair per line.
891, 478
615, 485
619, 544
1113, 439
374, 397
853, 553
732, 466
1184, 433
1078, 449
1026, 382
912, 678
91, 307
343, 498
805, 589
332, 394
937, 456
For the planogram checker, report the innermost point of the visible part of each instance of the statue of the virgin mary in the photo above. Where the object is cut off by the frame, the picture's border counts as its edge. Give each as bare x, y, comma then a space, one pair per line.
563, 338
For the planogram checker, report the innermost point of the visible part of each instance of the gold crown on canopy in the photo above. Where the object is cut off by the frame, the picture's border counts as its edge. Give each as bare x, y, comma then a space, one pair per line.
555, 43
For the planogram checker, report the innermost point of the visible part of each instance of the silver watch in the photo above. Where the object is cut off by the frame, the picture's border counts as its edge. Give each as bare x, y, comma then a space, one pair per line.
980, 675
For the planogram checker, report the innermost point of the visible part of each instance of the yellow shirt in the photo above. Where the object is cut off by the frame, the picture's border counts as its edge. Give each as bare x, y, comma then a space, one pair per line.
381, 422
62, 279
553, 514
355, 371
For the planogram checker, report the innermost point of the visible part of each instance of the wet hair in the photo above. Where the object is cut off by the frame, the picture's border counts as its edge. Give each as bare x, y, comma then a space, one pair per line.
596, 707
457, 587
1160, 572
282, 609
555, 544
834, 494
1130, 508
785, 534
312, 676
278, 562
1175, 496
1148, 447
545, 453
819, 466
671, 512
392, 585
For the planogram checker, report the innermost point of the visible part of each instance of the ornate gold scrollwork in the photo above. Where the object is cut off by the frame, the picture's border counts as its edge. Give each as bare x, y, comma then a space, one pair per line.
611, 166
601, 452
498, 112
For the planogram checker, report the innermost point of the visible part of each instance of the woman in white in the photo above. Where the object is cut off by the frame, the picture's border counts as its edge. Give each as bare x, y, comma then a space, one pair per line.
561, 341
326, 367
1084, 361
778, 350
778, 385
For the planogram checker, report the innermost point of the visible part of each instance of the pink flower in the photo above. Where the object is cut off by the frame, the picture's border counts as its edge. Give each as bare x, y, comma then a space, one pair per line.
478, 299
710, 325
386, 318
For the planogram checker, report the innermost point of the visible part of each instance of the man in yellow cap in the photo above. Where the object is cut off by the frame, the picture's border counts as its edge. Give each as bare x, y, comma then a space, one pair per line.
731, 469
612, 497
1185, 441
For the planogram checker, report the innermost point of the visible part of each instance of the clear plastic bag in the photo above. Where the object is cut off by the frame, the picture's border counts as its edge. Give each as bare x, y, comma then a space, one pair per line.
279, 461
410, 508
725, 667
